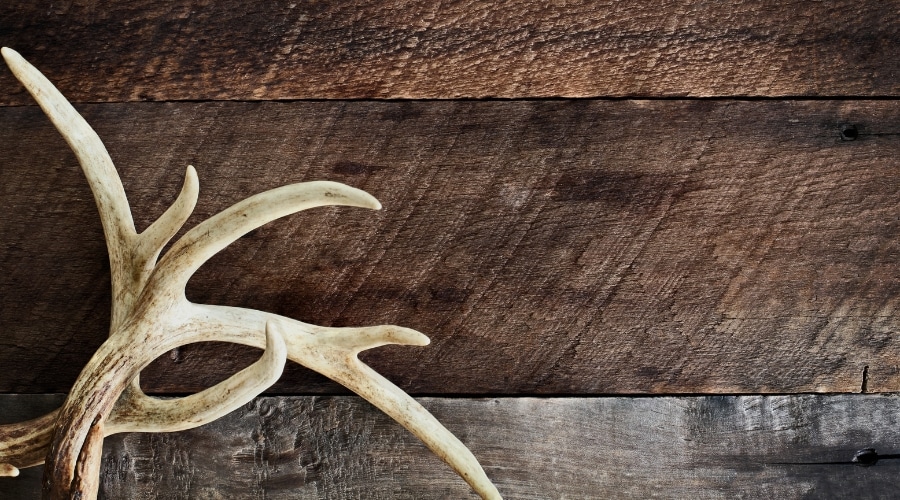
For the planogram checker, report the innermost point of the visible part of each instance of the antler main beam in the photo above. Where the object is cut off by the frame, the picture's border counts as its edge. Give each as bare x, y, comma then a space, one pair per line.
150, 315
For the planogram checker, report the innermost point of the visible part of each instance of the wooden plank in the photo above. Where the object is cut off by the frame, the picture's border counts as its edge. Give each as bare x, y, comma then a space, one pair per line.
546, 247
144, 50
714, 447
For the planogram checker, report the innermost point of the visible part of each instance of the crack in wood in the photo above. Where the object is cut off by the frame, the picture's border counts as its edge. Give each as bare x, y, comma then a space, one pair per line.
865, 457
865, 380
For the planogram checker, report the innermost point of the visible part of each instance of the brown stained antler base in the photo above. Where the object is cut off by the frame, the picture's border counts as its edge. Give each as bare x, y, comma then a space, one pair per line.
151, 316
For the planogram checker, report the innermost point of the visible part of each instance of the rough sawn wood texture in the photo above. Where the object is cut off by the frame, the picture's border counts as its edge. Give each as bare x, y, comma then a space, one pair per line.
290, 49
562, 247
712, 447
549, 247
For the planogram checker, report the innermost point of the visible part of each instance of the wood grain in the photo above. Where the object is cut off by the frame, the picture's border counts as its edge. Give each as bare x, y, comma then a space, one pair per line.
546, 247
145, 50
714, 447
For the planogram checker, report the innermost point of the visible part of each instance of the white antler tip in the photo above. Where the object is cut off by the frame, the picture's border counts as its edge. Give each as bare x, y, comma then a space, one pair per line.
10, 55
408, 336
191, 182
350, 196
353, 196
422, 339
8, 470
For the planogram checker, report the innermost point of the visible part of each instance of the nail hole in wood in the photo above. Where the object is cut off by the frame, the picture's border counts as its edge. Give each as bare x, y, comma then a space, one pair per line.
865, 457
849, 132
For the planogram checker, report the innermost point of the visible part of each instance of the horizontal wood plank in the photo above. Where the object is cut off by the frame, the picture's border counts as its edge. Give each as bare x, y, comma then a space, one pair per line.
714, 447
143, 50
546, 247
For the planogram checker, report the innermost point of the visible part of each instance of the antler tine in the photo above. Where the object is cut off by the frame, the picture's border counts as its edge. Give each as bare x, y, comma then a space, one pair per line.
8, 470
195, 248
212, 235
90, 151
127, 250
85, 143
24, 444
151, 242
138, 412
142, 250
341, 364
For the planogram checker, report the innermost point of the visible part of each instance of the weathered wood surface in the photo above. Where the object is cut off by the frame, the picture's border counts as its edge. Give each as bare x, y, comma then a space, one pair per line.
546, 247
139, 50
714, 447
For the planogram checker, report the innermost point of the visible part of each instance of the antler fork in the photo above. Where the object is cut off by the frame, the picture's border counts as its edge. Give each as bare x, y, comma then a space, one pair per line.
150, 315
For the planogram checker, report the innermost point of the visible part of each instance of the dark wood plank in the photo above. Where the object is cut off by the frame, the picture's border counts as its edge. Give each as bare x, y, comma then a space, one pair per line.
546, 247
144, 50
797, 446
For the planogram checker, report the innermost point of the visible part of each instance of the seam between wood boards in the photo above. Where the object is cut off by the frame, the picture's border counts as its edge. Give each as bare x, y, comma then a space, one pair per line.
504, 99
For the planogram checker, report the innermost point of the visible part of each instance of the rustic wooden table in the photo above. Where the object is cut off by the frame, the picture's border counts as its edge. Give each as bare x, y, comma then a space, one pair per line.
656, 247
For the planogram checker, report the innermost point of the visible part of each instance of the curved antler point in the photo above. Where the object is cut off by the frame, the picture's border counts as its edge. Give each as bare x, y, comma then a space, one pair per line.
413, 337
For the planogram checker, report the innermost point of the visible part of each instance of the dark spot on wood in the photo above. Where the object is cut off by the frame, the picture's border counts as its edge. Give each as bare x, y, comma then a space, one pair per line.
354, 168
546, 126
400, 112
649, 372
449, 294
617, 189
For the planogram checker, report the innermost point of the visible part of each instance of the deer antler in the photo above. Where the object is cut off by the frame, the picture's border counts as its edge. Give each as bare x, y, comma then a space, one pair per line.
151, 315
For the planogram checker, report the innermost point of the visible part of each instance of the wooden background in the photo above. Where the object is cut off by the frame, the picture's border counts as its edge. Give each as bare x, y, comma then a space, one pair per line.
655, 246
